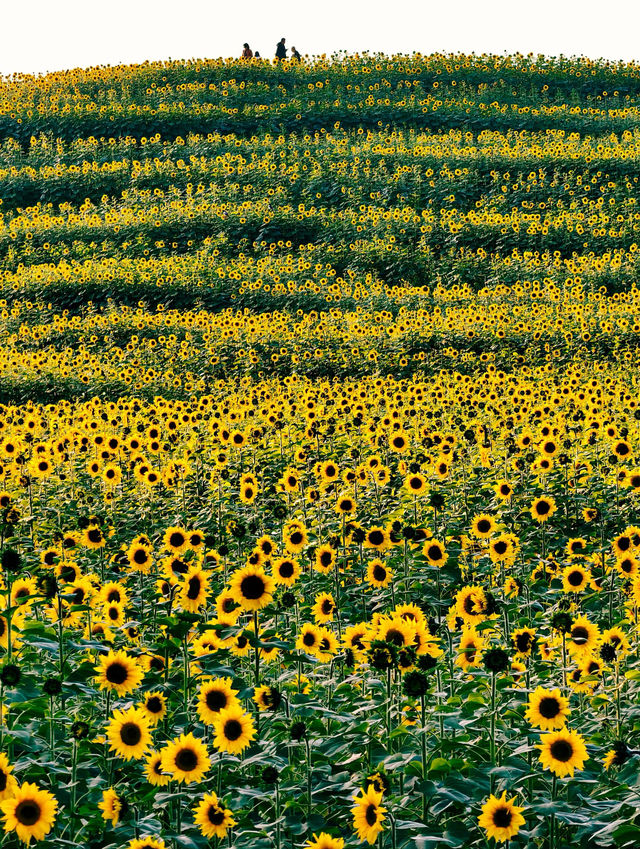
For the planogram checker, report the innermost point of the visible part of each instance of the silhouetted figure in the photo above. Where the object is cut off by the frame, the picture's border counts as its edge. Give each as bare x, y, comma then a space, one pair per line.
247, 53
295, 56
257, 55
281, 50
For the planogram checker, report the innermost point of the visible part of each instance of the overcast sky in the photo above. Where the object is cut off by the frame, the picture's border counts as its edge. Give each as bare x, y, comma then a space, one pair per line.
43, 35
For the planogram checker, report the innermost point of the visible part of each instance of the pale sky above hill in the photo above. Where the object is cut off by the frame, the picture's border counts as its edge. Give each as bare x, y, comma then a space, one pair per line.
43, 35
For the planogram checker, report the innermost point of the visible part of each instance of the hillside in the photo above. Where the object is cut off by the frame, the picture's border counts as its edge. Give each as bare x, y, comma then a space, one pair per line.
318, 417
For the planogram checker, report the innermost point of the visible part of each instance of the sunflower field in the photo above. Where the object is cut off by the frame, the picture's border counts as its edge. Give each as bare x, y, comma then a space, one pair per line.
319, 493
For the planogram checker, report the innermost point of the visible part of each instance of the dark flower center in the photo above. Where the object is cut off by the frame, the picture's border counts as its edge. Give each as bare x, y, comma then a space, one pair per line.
561, 750
216, 816
286, 569
28, 812
542, 508
326, 558
575, 578
395, 636
154, 704
194, 588
186, 760
435, 552
500, 547
502, 817
309, 639
549, 707
232, 729
379, 573
580, 635
3, 781
140, 556
117, 673
130, 734
216, 700
376, 537
176, 540
252, 587
484, 526
371, 815
296, 538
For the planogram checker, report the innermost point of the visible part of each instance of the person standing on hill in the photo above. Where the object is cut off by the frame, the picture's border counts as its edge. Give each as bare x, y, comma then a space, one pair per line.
247, 53
281, 50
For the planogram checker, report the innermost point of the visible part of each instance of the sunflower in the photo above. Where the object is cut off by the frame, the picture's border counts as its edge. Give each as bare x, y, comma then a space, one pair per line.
617, 756
8, 782
324, 608
415, 484
185, 758
324, 841
368, 814
215, 694
30, 812
524, 641
503, 489
575, 578
295, 537
251, 587
562, 752
195, 589
128, 733
470, 648
176, 540
547, 709
377, 538
378, 574
502, 549
146, 843
542, 509
500, 818
471, 604
435, 552
285, 571
267, 698
325, 558
345, 504
483, 526
154, 772
110, 806
227, 608
212, 818
154, 707
234, 730
117, 671
583, 637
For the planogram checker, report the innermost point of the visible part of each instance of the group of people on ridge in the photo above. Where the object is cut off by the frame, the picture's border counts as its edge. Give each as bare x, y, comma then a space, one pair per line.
281, 52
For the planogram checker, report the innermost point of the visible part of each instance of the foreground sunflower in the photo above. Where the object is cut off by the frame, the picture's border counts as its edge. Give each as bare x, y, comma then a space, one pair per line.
185, 758
215, 695
251, 587
117, 671
562, 752
547, 709
368, 814
213, 818
500, 818
30, 812
128, 733
234, 730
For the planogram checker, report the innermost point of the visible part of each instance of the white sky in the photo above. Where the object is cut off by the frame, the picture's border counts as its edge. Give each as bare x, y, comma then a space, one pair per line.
41, 35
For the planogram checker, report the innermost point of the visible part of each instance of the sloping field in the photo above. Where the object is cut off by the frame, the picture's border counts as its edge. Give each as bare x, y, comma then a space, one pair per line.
319, 404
